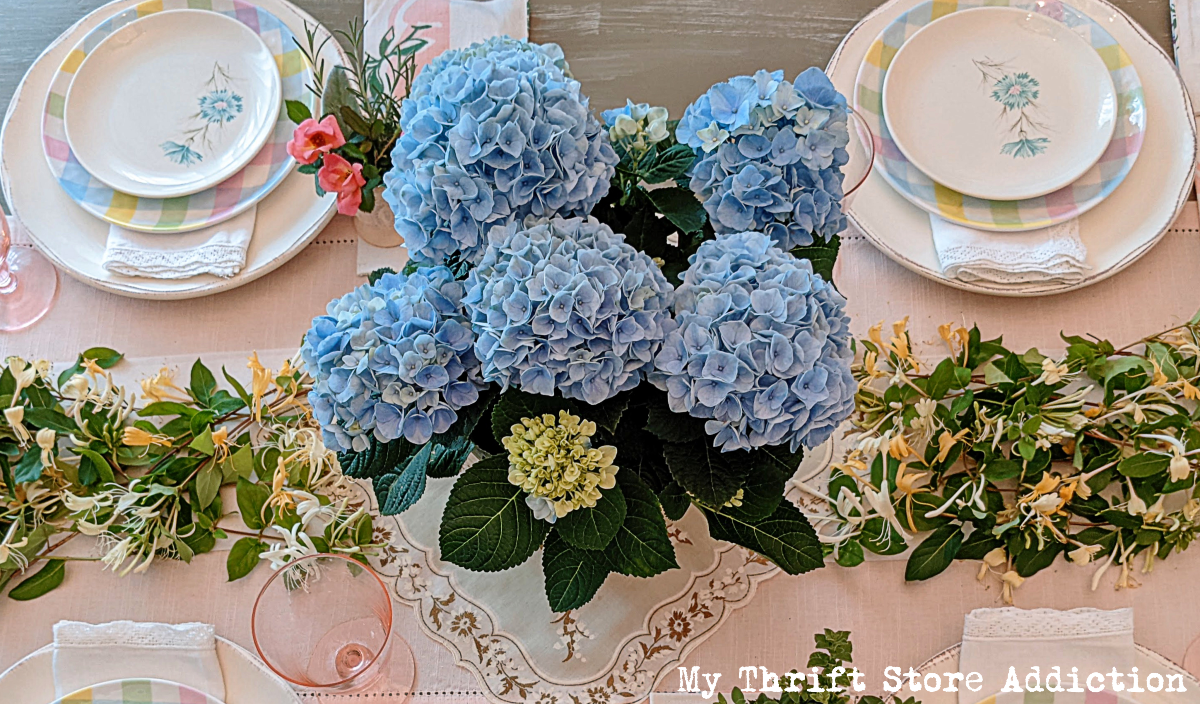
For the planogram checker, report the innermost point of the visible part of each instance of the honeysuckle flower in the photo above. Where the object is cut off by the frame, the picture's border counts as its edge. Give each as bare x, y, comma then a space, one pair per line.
1011, 581
77, 387
136, 437
1155, 511
759, 347
768, 158
553, 458
337, 175
260, 382
567, 306
881, 503
392, 359
312, 139
1047, 504
1083, 554
1052, 372
23, 376
493, 133
15, 416
994, 558
10, 547
162, 387
220, 439
296, 544
736, 499
46, 440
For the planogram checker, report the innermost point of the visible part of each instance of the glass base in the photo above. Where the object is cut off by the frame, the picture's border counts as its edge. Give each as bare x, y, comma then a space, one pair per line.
396, 677
29, 291
1191, 660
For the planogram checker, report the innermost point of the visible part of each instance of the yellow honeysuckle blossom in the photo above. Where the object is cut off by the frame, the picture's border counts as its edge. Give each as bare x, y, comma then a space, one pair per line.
1190, 392
259, 383
956, 339
553, 460
898, 447
946, 442
1011, 581
220, 438
162, 387
994, 558
1158, 379
1083, 554
1048, 483
136, 437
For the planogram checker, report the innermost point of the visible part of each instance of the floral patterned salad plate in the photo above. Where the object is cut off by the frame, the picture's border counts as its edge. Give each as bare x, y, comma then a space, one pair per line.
137, 691
173, 103
1000, 103
224, 90
1087, 191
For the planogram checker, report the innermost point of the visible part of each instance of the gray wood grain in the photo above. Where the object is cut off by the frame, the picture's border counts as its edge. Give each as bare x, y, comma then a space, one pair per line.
664, 52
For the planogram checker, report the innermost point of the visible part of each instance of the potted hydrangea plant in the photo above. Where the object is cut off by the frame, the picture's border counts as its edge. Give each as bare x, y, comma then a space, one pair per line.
614, 348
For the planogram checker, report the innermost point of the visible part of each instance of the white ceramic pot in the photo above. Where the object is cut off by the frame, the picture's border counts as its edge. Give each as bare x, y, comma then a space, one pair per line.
378, 227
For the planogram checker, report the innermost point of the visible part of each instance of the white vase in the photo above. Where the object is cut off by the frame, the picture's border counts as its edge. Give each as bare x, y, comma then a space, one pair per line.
378, 227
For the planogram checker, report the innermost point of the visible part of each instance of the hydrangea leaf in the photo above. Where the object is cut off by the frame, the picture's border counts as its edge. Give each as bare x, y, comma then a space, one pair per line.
764, 487
673, 427
447, 460
675, 501
378, 459
680, 207
572, 575
397, 492
641, 547
486, 526
670, 163
822, 255
707, 473
593, 528
934, 554
785, 537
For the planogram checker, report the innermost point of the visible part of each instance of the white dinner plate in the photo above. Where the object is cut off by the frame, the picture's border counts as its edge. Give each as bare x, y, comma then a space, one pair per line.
1116, 232
247, 680
173, 103
1000, 103
286, 221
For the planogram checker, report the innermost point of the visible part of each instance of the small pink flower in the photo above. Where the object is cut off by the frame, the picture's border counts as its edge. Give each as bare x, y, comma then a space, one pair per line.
311, 139
345, 179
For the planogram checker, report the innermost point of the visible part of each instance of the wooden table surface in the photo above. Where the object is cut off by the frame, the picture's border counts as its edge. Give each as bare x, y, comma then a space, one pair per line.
664, 52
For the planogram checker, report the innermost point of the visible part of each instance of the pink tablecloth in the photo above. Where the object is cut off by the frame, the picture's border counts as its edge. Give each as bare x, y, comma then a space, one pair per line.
893, 623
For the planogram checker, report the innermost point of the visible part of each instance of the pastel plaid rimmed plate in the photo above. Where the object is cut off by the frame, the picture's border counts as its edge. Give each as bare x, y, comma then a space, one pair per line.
183, 213
140, 691
1017, 215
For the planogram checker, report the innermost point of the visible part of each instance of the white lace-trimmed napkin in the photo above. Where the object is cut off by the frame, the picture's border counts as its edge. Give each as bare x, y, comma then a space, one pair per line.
87, 654
1052, 254
996, 639
219, 250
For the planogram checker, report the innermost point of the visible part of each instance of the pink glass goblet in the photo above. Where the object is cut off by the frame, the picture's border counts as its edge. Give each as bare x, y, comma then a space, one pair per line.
324, 622
861, 150
28, 282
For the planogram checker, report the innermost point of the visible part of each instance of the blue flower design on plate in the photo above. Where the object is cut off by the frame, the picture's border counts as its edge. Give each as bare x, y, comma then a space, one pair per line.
181, 153
220, 106
1017, 93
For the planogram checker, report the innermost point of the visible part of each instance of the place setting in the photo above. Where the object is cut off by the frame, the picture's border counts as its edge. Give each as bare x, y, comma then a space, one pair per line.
162, 131
1009, 137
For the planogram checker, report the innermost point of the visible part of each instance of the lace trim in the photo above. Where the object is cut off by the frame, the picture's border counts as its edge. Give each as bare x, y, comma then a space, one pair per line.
183, 636
1010, 623
1054, 254
224, 260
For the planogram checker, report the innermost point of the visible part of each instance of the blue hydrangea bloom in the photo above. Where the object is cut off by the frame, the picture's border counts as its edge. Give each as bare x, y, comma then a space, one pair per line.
760, 346
769, 155
492, 134
392, 359
566, 305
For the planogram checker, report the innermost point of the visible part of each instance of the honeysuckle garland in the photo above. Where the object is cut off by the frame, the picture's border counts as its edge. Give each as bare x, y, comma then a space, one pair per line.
141, 469
1015, 458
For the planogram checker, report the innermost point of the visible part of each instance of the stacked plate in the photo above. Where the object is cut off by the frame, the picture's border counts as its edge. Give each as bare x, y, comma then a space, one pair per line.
1014, 115
165, 117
